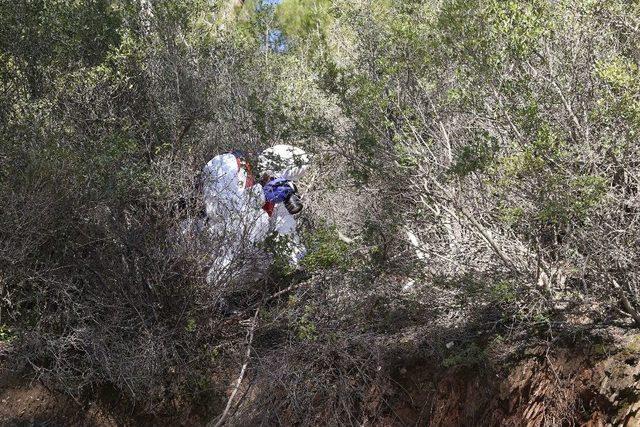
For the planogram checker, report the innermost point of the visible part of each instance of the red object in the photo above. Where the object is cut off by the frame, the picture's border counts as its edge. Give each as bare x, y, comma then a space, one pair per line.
242, 164
268, 207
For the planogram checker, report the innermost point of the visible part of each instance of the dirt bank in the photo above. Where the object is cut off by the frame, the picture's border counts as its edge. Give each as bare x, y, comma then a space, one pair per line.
593, 384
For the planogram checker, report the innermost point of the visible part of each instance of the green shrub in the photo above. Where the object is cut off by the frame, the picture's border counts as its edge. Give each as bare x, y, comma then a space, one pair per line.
6, 334
469, 356
325, 250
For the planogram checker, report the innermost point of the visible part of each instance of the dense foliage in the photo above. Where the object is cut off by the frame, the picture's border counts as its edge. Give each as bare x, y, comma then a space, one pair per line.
476, 170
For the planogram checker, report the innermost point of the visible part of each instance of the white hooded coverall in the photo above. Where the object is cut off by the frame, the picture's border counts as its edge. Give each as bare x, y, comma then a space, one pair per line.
235, 213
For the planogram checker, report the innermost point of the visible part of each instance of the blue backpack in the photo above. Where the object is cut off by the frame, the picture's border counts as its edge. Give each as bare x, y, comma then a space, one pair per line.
279, 190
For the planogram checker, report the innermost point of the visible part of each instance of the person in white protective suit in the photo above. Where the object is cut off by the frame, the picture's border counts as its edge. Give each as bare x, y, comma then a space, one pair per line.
241, 212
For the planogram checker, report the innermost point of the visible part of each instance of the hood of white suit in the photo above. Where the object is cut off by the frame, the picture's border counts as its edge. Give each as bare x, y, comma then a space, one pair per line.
284, 161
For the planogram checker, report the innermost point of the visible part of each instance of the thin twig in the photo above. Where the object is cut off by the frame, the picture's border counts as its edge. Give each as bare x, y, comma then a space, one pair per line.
243, 370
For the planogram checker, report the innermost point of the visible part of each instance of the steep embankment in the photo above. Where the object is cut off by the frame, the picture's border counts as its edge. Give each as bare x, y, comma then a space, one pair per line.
591, 385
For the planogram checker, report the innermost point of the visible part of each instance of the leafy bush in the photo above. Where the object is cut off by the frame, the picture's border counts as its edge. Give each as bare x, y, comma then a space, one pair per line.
325, 250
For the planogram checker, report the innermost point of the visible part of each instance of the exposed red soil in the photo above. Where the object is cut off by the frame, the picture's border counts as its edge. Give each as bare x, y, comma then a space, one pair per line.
545, 388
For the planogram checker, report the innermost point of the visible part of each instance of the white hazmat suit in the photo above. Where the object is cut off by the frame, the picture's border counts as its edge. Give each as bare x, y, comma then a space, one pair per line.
235, 214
